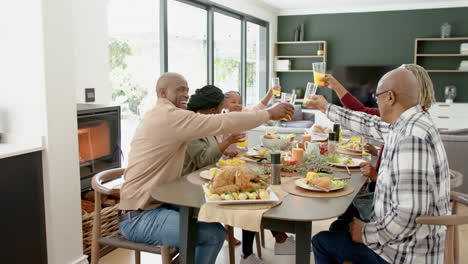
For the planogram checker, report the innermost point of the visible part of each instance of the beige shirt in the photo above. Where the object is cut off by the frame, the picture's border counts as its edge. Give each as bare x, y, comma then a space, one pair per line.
158, 147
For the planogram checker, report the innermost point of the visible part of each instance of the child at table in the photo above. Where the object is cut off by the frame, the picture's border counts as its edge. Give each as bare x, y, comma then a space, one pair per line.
284, 245
233, 103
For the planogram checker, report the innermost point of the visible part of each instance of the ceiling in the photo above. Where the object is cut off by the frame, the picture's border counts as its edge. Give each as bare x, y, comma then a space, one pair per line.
302, 7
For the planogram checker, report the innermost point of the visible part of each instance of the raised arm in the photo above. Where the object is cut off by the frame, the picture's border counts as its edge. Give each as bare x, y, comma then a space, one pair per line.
352, 103
188, 125
413, 181
346, 98
369, 125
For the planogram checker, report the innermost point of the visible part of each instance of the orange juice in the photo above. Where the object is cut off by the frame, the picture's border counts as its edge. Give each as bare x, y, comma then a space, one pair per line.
242, 144
287, 117
317, 77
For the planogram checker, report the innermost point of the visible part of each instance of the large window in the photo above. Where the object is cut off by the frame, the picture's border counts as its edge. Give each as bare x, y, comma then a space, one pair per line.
256, 63
133, 60
187, 42
205, 42
227, 52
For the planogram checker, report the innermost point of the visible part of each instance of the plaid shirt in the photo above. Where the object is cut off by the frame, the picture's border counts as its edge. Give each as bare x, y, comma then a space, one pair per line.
413, 180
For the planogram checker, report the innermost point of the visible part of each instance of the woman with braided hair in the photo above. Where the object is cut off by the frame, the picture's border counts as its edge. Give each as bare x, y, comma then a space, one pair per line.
205, 151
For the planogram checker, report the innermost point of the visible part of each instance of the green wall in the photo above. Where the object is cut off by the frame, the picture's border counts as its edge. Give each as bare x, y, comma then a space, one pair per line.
379, 38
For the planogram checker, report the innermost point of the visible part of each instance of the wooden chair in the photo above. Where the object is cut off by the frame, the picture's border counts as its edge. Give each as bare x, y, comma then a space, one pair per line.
452, 222
117, 240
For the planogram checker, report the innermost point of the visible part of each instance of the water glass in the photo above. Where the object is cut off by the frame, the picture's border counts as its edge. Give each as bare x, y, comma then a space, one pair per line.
310, 91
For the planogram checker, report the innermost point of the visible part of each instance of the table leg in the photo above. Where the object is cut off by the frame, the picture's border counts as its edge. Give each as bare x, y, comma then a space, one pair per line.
303, 232
230, 234
187, 236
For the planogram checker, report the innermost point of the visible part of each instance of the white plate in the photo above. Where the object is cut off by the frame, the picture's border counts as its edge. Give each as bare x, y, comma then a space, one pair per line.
206, 174
303, 185
273, 198
356, 163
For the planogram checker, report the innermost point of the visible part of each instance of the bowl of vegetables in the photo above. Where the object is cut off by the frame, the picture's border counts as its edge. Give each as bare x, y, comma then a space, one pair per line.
277, 142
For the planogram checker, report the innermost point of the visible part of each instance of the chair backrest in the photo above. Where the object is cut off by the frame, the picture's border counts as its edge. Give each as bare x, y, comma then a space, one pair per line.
457, 132
456, 148
99, 190
452, 222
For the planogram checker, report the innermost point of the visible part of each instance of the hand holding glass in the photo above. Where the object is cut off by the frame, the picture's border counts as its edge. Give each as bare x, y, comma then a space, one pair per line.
310, 91
289, 98
319, 72
275, 84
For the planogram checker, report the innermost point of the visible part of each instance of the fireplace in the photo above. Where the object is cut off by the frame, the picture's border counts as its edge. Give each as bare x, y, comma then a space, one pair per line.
98, 140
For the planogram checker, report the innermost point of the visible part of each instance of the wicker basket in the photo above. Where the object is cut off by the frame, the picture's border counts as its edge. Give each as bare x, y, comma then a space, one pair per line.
109, 225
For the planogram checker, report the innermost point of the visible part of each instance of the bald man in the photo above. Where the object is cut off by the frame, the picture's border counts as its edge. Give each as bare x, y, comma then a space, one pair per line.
157, 156
413, 181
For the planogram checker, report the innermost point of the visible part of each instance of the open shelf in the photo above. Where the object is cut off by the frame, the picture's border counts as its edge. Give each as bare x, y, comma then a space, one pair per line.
307, 56
439, 39
441, 55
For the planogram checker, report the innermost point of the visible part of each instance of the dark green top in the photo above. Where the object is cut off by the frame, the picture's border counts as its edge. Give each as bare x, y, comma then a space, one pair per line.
200, 153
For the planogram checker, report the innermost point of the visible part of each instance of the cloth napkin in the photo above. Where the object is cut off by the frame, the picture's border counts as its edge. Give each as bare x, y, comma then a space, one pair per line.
245, 216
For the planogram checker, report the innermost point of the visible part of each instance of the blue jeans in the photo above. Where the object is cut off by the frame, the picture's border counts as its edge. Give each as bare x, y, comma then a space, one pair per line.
337, 247
160, 226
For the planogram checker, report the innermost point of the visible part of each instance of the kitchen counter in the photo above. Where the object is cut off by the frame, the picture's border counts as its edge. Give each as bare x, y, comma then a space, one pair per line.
12, 145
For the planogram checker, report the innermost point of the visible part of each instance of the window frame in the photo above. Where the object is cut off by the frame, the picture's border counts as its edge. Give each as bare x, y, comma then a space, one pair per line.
212, 7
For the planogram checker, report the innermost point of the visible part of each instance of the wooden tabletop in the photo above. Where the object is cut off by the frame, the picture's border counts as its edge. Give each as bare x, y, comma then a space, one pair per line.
294, 208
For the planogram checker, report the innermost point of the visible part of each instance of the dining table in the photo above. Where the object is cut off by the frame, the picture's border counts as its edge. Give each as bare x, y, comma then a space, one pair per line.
294, 215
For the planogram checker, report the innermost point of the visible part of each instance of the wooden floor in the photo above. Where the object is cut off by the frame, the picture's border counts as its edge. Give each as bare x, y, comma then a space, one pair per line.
121, 256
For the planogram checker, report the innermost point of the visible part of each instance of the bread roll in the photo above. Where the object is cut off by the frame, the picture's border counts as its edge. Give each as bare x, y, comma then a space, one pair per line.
318, 129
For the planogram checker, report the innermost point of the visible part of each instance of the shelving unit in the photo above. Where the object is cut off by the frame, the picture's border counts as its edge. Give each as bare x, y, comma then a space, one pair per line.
311, 56
418, 55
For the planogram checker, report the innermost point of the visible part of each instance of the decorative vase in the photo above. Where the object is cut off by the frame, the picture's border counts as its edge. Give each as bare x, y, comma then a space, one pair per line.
445, 30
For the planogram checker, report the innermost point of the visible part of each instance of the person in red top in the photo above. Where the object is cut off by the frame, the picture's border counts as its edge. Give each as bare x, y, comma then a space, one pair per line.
426, 99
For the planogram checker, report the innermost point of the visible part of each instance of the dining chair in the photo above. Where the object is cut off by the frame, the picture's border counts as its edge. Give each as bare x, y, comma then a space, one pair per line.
168, 254
452, 243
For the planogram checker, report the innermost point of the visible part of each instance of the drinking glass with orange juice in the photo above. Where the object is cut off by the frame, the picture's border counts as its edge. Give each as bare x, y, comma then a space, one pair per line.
275, 84
319, 72
289, 98
310, 91
242, 144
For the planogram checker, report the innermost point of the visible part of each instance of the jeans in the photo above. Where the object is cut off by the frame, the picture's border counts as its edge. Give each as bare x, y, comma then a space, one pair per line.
160, 226
332, 247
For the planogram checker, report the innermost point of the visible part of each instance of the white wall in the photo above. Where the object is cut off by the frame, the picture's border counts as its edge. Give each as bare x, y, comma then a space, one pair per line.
60, 160
38, 98
22, 106
90, 48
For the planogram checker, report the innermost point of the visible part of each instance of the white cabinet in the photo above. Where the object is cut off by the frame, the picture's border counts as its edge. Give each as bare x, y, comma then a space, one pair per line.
450, 116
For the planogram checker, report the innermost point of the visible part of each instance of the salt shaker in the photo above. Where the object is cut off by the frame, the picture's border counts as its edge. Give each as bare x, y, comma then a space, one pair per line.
275, 168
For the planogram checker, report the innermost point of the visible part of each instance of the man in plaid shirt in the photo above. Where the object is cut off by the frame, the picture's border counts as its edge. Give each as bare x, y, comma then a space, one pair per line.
413, 181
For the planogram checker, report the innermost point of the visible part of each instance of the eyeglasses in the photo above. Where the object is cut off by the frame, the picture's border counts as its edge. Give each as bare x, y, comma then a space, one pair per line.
375, 96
